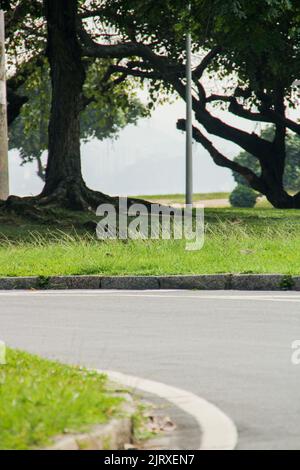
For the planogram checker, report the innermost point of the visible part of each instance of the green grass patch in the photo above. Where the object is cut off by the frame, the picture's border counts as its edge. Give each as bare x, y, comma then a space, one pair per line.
236, 241
141, 431
40, 399
180, 198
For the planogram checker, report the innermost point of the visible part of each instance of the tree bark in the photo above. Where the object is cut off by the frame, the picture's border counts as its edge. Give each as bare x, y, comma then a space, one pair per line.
272, 167
64, 184
67, 78
272, 172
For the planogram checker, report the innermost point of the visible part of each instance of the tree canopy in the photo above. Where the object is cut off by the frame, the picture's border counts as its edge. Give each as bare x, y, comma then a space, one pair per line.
25, 44
103, 116
254, 45
83, 93
250, 49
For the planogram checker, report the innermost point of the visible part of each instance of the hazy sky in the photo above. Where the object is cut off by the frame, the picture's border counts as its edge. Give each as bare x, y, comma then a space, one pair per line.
146, 159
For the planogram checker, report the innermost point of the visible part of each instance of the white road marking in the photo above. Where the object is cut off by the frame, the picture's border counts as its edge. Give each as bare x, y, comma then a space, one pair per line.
218, 432
155, 295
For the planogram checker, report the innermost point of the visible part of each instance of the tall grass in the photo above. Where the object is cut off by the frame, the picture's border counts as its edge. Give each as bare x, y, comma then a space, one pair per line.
235, 244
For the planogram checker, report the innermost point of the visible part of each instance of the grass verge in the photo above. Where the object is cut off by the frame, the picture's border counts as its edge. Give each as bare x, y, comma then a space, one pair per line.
236, 241
40, 399
180, 198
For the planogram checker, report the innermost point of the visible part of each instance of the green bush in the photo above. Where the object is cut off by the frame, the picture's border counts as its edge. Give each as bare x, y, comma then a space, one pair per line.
243, 196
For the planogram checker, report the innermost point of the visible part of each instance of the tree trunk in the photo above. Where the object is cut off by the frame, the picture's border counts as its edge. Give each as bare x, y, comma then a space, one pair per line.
272, 177
271, 155
64, 184
274, 165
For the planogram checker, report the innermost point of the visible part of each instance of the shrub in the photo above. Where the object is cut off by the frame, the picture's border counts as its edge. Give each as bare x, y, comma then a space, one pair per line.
243, 196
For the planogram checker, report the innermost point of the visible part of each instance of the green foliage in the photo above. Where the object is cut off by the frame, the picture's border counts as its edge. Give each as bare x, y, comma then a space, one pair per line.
243, 196
109, 110
260, 41
25, 31
160, 22
292, 165
29, 132
40, 399
140, 419
112, 107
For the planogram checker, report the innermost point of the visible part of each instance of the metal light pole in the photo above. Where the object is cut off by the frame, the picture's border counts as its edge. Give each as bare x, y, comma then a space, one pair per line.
4, 181
189, 123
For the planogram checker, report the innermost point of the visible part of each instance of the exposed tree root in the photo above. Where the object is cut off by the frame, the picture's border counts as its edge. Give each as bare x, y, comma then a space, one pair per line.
73, 196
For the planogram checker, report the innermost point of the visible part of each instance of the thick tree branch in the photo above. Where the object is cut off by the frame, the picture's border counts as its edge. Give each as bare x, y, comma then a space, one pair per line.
200, 69
214, 97
162, 63
115, 51
16, 101
134, 73
105, 51
253, 144
249, 142
24, 72
276, 118
14, 105
221, 160
265, 115
237, 109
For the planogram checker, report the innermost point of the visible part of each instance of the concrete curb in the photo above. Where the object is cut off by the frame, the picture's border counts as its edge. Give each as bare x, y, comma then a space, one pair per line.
216, 430
248, 282
113, 435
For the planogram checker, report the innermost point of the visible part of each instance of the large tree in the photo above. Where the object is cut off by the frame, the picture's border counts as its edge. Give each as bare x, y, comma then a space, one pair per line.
255, 45
53, 26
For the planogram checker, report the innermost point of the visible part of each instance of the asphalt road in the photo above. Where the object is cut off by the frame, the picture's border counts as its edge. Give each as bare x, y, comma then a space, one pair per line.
231, 348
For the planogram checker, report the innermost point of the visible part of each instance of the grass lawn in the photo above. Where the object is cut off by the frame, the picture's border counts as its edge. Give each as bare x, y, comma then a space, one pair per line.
237, 241
40, 399
180, 198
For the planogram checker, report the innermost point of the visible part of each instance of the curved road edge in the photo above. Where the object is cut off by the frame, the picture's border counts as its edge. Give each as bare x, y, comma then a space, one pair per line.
218, 431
